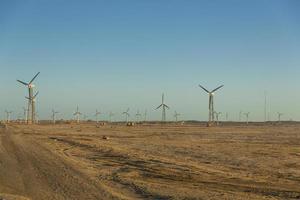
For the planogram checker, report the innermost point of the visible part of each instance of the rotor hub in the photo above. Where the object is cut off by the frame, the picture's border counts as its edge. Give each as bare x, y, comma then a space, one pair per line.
31, 86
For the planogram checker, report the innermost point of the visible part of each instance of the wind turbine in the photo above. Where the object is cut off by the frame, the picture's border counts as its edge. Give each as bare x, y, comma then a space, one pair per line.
227, 116
217, 116
265, 106
126, 113
111, 114
8, 113
31, 109
247, 116
145, 115
96, 114
138, 115
176, 115
25, 114
211, 117
240, 115
77, 114
53, 116
164, 106
279, 116
33, 101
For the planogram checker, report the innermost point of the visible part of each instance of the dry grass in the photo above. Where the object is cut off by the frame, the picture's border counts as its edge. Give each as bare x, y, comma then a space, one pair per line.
151, 162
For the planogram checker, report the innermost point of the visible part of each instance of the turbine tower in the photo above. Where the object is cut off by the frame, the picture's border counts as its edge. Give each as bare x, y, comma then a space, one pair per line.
240, 115
217, 116
145, 115
211, 117
265, 106
54, 116
247, 116
25, 114
164, 106
33, 102
96, 115
77, 114
138, 115
279, 116
176, 115
127, 115
31, 109
8, 113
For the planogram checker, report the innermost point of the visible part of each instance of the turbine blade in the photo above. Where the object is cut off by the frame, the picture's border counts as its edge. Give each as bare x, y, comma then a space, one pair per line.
35, 94
159, 106
217, 88
23, 82
34, 77
204, 88
166, 106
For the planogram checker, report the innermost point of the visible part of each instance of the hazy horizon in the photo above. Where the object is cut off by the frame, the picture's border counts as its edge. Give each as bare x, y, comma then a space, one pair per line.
114, 55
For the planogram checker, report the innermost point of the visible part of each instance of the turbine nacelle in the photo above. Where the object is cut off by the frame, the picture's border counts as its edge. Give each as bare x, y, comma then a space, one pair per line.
31, 85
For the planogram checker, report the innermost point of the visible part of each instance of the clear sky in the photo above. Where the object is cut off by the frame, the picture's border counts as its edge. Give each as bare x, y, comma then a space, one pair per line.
110, 55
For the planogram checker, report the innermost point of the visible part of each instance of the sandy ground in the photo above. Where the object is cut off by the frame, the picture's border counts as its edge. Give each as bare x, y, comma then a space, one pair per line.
149, 162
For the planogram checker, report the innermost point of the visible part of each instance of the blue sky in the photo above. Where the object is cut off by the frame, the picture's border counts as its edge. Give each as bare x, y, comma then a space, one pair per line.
110, 55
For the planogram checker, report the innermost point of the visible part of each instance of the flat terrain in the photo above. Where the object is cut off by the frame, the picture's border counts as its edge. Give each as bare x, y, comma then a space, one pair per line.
150, 162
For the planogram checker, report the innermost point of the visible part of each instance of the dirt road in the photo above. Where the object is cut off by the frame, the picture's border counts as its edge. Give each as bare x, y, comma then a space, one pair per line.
27, 169
66, 162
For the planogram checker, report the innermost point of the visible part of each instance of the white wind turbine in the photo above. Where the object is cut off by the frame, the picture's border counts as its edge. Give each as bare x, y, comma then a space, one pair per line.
247, 116
54, 113
138, 115
211, 110
31, 108
96, 115
77, 115
176, 115
8, 113
164, 106
127, 115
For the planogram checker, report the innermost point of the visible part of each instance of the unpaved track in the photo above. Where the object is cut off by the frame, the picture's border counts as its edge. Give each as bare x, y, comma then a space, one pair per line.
29, 170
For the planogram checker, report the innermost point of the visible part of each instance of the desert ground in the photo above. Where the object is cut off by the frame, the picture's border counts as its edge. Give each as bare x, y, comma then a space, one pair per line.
150, 161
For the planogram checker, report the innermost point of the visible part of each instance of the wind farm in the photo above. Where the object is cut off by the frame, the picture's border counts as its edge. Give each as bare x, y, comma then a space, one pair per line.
109, 146
154, 100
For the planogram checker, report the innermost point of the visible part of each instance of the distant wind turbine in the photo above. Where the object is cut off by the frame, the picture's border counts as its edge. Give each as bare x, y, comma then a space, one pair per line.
163, 106
138, 115
217, 114
96, 115
211, 102
54, 113
176, 115
111, 114
145, 115
247, 116
127, 115
279, 116
77, 115
8, 113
